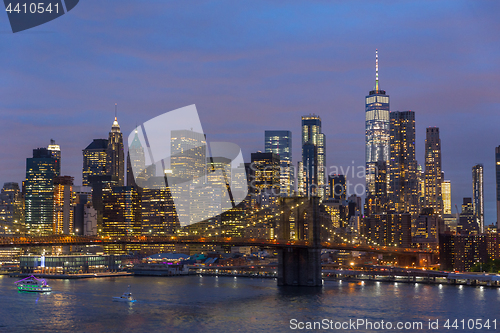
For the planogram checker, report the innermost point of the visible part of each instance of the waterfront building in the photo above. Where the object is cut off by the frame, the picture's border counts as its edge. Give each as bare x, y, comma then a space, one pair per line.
39, 192
376, 132
478, 195
280, 143
433, 171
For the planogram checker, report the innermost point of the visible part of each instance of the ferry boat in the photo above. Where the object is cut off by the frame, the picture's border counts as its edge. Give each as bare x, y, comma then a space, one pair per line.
33, 284
126, 297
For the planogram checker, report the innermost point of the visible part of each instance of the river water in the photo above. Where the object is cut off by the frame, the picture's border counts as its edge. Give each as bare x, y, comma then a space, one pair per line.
227, 304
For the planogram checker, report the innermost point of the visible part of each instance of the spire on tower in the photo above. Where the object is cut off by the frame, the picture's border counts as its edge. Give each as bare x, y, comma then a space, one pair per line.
376, 69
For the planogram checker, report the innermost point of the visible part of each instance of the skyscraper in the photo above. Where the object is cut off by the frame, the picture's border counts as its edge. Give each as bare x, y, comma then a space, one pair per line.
337, 187
433, 172
136, 162
376, 131
94, 160
402, 190
313, 156
280, 143
63, 205
446, 191
39, 192
478, 195
188, 151
266, 172
121, 217
115, 164
55, 152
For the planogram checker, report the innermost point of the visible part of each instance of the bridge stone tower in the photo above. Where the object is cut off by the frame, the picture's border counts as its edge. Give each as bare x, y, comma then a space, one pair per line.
300, 266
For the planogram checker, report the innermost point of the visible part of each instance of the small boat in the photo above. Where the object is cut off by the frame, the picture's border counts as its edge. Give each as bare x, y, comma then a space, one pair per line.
126, 297
33, 284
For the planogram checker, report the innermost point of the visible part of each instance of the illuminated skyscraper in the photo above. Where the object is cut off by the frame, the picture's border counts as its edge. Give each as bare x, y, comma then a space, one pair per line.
188, 152
63, 205
300, 179
137, 163
266, 173
446, 191
376, 131
402, 191
337, 187
159, 216
39, 192
433, 172
121, 217
280, 143
94, 160
313, 156
55, 152
115, 165
478, 195
12, 207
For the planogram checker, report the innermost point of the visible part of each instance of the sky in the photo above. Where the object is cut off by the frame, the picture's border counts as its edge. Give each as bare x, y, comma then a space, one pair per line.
251, 66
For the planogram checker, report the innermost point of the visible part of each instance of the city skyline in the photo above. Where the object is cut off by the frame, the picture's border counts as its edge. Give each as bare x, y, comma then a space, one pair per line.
431, 75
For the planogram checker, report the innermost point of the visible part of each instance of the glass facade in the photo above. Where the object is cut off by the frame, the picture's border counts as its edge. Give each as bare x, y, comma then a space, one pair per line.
39, 192
280, 143
313, 156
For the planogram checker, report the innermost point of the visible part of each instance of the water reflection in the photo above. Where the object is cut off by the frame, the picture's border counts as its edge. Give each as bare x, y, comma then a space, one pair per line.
209, 303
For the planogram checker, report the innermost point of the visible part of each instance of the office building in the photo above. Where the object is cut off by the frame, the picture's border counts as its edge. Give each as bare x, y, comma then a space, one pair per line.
94, 160
280, 143
55, 151
478, 195
39, 192
446, 194
63, 205
136, 164
121, 217
115, 163
337, 187
433, 171
188, 152
11, 207
467, 223
376, 131
313, 156
300, 179
266, 174
402, 189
